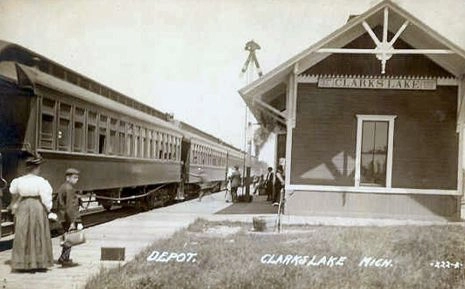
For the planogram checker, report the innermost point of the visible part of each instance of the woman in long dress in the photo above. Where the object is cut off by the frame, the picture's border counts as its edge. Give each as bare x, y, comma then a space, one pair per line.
32, 199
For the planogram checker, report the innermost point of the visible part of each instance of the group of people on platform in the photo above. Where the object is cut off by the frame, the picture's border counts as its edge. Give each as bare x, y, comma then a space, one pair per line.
35, 205
274, 185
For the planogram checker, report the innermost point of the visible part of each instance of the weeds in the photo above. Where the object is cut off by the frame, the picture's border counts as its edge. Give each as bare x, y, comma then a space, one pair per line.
236, 260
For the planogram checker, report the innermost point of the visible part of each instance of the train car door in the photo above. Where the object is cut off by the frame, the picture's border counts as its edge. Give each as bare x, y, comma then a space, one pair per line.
10, 169
9, 161
3, 185
185, 159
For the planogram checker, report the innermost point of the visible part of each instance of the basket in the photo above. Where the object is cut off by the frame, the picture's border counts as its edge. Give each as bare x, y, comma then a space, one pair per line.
74, 238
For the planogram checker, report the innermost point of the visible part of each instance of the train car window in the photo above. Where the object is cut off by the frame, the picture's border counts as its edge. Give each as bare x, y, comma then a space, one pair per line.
160, 146
196, 155
102, 136
165, 146
175, 148
137, 141
170, 147
210, 156
78, 139
47, 139
64, 128
192, 154
155, 145
113, 144
92, 132
129, 140
121, 137
150, 144
203, 155
178, 149
143, 142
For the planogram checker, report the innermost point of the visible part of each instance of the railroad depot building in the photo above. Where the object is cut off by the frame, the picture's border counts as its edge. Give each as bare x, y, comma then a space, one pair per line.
370, 120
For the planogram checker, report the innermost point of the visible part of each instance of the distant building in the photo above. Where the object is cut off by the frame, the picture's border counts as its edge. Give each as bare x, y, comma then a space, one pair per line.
371, 120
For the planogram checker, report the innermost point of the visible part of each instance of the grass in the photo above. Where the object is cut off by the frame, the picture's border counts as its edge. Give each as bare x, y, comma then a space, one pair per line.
234, 261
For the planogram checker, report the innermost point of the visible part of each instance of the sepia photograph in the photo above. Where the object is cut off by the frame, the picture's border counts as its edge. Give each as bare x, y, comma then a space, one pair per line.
232, 144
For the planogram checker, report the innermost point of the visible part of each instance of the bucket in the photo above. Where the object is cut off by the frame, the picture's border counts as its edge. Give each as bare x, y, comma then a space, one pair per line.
263, 224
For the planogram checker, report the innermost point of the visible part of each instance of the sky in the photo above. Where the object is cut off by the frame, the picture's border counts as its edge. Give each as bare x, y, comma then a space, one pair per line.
185, 56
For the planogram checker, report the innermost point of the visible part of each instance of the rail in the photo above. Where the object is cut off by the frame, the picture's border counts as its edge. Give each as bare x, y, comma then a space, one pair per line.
130, 197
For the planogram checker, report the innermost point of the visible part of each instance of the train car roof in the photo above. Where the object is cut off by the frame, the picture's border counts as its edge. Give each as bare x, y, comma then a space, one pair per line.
16, 53
199, 133
17, 61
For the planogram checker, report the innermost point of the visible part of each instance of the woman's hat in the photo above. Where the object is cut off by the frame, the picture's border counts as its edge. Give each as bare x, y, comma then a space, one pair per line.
34, 160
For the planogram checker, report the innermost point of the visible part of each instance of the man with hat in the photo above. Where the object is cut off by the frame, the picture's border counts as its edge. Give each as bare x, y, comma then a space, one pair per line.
235, 179
67, 205
203, 184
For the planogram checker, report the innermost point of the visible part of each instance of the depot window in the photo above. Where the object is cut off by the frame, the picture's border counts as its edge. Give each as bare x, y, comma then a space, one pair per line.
375, 138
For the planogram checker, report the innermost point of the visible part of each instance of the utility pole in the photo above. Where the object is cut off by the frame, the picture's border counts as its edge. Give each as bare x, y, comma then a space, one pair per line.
250, 62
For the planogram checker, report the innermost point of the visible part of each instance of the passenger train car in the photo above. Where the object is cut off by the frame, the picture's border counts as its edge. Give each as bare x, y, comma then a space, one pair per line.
126, 151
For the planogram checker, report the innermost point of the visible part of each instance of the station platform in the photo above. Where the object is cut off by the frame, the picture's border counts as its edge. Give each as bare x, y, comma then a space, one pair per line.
136, 232
133, 233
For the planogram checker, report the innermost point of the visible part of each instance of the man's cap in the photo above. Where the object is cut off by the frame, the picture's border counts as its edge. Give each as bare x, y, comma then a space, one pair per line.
71, 171
34, 160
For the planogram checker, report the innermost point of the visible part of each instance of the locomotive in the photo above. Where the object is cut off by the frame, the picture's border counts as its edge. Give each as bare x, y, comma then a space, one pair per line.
127, 152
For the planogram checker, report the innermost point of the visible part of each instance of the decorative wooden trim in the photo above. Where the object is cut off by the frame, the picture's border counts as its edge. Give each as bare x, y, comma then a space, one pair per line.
447, 81
374, 190
360, 119
388, 51
306, 78
269, 107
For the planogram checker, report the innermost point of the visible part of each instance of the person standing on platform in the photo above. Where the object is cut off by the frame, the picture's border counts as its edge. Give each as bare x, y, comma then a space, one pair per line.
235, 179
278, 185
269, 184
31, 203
68, 212
203, 184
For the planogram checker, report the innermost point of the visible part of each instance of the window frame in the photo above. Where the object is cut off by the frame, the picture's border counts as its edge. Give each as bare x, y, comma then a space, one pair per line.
64, 116
92, 122
358, 152
81, 119
49, 112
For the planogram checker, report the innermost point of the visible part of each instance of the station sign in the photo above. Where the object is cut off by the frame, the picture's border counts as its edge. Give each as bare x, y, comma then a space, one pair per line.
377, 83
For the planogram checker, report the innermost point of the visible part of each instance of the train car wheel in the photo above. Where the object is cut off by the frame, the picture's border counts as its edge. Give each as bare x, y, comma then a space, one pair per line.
148, 202
106, 204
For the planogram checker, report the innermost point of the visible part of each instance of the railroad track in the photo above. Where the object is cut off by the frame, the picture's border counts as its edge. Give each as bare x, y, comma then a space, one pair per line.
90, 218
92, 215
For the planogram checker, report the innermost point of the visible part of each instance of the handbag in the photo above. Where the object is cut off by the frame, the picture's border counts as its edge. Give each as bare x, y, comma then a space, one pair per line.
73, 238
